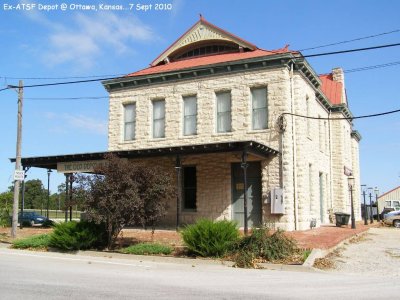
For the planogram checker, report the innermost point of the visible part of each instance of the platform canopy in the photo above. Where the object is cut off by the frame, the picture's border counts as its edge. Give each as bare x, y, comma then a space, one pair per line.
84, 162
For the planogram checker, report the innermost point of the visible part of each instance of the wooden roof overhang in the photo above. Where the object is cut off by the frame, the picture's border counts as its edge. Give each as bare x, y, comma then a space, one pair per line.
251, 147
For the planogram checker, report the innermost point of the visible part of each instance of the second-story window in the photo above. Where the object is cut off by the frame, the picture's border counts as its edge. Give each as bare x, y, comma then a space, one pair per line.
189, 115
159, 119
259, 108
129, 122
224, 112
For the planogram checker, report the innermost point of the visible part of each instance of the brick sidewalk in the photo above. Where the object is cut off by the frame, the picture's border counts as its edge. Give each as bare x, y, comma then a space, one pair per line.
328, 236
324, 237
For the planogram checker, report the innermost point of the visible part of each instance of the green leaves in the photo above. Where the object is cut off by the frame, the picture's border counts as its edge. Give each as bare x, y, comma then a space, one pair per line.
209, 238
77, 236
40, 241
125, 193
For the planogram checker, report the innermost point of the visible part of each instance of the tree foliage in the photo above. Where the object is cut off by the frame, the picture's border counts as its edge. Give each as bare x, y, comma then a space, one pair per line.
35, 194
125, 194
6, 202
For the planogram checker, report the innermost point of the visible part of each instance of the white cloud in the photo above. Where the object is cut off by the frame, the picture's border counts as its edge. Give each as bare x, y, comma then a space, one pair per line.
88, 37
67, 122
86, 123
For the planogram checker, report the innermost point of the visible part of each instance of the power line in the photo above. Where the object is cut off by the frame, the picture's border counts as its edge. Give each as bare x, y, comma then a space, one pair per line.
120, 75
66, 82
6, 88
359, 69
352, 118
113, 78
66, 77
372, 67
353, 40
69, 98
353, 50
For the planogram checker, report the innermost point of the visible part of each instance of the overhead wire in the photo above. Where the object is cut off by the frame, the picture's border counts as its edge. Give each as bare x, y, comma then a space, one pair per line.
359, 69
63, 77
119, 75
352, 40
367, 68
344, 118
303, 56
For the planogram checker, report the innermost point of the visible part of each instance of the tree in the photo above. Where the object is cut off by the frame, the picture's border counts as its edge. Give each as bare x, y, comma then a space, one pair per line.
35, 194
6, 202
125, 194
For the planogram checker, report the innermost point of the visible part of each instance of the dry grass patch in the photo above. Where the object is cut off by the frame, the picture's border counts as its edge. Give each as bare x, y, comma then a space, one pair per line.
359, 238
328, 262
393, 252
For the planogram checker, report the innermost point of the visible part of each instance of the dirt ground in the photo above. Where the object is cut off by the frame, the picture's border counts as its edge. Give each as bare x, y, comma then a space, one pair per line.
376, 252
127, 236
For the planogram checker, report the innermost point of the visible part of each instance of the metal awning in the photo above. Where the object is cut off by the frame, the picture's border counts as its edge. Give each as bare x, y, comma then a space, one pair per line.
50, 162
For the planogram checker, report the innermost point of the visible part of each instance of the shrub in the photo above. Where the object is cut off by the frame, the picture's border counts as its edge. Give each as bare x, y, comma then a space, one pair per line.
35, 242
125, 194
263, 246
78, 236
5, 220
209, 238
147, 249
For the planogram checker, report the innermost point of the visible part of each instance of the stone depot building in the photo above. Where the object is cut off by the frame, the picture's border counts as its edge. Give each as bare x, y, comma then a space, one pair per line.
222, 117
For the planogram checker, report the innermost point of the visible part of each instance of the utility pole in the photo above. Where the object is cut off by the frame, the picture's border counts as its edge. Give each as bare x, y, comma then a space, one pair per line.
17, 160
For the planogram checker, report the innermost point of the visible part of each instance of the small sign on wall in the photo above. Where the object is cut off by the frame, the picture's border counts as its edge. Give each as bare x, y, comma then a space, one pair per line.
79, 166
240, 186
348, 171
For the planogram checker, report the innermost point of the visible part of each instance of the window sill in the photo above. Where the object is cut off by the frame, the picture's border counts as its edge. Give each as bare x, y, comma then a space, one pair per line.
157, 139
128, 142
258, 131
184, 137
230, 133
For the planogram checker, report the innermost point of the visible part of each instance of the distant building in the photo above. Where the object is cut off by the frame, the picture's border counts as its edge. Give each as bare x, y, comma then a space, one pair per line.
212, 106
390, 199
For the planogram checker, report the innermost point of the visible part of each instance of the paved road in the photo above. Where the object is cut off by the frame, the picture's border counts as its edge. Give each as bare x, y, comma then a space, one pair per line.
37, 275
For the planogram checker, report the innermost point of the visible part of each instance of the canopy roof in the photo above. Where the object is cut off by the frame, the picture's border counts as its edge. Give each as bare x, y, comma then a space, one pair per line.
50, 162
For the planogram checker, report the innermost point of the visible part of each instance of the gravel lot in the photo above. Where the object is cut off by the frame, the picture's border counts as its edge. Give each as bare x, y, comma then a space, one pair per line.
377, 252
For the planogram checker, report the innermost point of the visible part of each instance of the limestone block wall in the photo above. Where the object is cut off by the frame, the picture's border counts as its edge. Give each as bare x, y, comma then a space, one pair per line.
312, 157
313, 153
239, 85
214, 189
342, 157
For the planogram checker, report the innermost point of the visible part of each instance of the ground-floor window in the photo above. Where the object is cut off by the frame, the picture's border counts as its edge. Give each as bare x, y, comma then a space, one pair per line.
189, 188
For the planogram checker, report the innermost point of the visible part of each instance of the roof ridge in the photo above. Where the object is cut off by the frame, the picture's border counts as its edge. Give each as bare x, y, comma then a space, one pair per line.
392, 190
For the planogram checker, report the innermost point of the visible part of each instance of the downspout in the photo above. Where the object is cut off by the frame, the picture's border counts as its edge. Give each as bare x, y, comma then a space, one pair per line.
294, 151
178, 168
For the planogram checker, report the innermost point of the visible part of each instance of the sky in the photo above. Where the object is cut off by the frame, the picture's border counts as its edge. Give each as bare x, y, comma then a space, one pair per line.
42, 44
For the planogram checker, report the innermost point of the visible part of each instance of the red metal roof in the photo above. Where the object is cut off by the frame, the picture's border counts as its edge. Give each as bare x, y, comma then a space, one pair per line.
205, 61
332, 89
